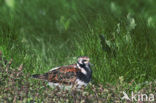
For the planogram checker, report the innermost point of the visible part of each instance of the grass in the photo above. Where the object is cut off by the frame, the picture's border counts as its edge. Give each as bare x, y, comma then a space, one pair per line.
16, 86
119, 37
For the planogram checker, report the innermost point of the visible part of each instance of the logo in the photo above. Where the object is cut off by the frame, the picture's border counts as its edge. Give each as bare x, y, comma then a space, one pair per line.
138, 97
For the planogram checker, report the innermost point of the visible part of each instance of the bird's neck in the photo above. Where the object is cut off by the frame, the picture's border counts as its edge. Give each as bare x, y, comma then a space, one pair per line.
85, 68
85, 74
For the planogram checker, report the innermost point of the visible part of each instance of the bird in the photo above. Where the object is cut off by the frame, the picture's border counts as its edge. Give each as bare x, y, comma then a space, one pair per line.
76, 75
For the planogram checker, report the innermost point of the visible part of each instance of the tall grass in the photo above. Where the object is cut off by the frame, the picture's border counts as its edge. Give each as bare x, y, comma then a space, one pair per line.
44, 34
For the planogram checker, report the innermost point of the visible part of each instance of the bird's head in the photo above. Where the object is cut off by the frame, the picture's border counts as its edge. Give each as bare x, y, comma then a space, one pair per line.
83, 60
83, 64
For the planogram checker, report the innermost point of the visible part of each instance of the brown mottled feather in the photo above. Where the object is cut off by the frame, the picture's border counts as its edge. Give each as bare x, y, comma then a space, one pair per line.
63, 75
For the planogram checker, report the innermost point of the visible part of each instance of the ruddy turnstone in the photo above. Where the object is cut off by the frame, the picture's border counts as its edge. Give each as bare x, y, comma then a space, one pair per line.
75, 75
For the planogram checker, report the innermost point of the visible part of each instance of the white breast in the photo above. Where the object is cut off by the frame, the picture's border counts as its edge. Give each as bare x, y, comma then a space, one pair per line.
80, 83
54, 85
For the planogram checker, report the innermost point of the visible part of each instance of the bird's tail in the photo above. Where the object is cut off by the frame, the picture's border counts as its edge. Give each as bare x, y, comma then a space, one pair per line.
35, 75
39, 76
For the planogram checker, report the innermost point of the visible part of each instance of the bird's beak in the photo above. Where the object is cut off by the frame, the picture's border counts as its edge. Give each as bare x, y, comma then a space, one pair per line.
91, 64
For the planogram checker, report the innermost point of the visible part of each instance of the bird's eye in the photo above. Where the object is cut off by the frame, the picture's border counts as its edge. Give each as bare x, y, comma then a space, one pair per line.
84, 61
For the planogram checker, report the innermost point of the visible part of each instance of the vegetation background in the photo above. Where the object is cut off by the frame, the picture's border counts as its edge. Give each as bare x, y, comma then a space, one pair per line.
118, 35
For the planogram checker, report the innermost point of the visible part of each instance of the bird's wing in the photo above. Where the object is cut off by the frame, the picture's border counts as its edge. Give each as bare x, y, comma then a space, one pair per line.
62, 75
